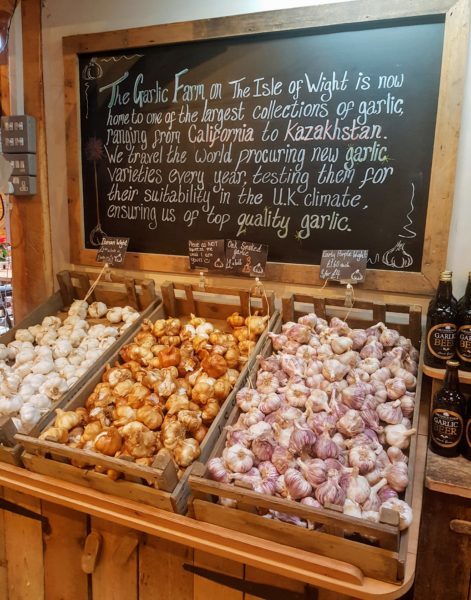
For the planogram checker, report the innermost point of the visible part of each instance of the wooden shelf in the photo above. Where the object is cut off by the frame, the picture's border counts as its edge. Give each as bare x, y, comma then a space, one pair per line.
448, 475
465, 376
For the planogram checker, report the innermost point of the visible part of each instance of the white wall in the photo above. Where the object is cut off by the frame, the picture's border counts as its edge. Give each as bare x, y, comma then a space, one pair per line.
69, 17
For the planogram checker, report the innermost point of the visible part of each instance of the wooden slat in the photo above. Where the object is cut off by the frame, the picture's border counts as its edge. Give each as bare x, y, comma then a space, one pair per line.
168, 298
205, 589
190, 300
63, 576
66, 288
130, 284
259, 576
161, 568
24, 550
113, 577
3, 556
374, 562
30, 221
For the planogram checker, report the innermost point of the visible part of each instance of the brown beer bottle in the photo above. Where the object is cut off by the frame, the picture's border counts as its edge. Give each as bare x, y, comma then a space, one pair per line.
448, 414
441, 325
463, 335
467, 434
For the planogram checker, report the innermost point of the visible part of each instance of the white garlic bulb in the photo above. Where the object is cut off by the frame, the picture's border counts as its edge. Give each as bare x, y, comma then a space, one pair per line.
76, 336
51, 322
78, 308
62, 348
110, 332
35, 380
43, 366
23, 335
96, 310
3, 352
40, 401
24, 369
54, 387
97, 331
29, 416
115, 314
24, 356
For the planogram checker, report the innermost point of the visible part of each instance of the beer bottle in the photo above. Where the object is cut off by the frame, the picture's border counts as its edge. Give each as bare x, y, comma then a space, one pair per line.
467, 434
448, 414
441, 325
463, 335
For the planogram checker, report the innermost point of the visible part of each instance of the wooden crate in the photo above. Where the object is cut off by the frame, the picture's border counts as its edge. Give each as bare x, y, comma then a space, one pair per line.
118, 291
157, 485
378, 549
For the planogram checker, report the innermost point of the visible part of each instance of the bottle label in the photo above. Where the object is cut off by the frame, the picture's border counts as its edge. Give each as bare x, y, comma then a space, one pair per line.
463, 347
447, 427
468, 433
441, 340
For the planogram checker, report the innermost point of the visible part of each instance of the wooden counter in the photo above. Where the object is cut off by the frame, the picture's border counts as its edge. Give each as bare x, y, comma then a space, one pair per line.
119, 521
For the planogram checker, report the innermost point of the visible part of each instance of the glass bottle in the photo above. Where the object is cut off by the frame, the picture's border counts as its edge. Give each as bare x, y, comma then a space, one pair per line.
467, 434
448, 414
463, 334
441, 325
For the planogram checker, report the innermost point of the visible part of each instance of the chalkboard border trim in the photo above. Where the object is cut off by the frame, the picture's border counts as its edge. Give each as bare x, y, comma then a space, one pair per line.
456, 17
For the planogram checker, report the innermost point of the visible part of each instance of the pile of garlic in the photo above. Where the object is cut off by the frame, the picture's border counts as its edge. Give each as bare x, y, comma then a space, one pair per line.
162, 399
328, 421
46, 360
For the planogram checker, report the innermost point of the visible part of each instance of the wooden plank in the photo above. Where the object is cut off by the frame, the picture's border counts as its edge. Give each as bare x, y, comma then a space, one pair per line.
374, 562
109, 579
24, 550
3, 555
259, 576
65, 287
439, 374
30, 222
448, 475
444, 557
97, 481
161, 568
205, 589
63, 576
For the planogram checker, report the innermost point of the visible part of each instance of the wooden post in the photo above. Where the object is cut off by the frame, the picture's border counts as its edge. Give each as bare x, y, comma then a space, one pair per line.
30, 222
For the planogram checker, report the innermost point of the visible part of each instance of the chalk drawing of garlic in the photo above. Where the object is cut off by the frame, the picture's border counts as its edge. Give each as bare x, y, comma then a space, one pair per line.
356, 275
92, 70
397, 257
218, 263
258, 269
94, 153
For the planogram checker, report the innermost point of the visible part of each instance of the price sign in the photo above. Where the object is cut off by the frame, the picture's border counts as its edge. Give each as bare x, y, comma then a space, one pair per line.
344, 265
207, 254
113, 250
246, 258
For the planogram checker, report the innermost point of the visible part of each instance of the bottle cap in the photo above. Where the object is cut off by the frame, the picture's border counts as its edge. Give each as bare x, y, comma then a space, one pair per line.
452, 363
446, 275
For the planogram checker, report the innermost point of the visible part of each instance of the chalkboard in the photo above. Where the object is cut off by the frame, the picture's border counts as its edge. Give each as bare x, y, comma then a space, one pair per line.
303, 141
331, 126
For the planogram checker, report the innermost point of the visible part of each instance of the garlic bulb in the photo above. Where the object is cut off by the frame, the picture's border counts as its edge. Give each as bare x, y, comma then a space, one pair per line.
78, 308
362, 457
351, 424
29, 416
373, 503
390, 412
398, 435
96, 310
404, 510
217, 470
330, 491
296, 485
23, 335
238, 458
186, 451
358, 488
352, 508
62, 348
314, 471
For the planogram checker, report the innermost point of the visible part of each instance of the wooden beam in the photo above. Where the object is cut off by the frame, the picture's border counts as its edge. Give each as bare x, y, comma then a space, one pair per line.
30, 222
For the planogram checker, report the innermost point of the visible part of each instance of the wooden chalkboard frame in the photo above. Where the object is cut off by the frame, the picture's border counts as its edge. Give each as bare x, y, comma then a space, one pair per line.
456, 16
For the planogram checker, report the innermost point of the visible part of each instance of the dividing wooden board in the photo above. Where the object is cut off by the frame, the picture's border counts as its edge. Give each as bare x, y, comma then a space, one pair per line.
3, 555
161, 568
63, 546
24, 549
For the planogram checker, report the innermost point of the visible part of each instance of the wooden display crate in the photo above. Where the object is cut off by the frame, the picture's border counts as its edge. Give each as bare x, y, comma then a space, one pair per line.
378, 549
157, 485
118, 291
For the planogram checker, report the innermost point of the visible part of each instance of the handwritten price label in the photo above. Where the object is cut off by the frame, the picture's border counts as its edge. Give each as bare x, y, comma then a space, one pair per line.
207, 254
113, 251
344, 265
